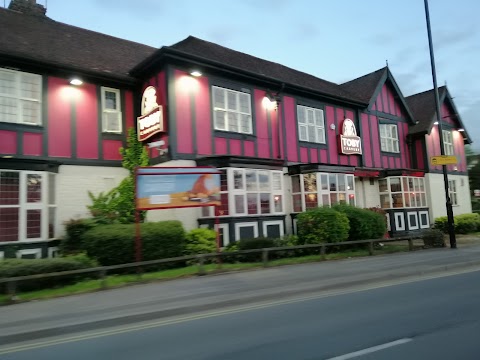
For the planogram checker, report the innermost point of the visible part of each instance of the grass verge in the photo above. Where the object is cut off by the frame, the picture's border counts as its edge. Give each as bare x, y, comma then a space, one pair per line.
114, 281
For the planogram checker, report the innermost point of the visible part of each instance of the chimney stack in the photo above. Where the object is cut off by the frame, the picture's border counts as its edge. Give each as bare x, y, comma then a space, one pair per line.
27, 7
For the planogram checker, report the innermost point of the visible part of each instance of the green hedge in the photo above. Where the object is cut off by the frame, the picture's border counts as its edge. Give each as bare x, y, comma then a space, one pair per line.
24, 267
201, 241
115, 244
464, 224
433, 238
322, 225
364, 224
74, 229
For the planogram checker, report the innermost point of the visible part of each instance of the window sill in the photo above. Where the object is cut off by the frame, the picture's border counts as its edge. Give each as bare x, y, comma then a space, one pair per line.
21, 127
312, 144
234, 135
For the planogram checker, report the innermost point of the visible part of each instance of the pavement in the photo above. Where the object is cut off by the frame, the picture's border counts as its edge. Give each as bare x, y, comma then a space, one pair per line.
145, 302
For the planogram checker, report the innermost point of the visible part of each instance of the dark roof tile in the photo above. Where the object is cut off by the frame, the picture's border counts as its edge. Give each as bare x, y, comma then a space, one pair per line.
43, 39
364, 86
422, 106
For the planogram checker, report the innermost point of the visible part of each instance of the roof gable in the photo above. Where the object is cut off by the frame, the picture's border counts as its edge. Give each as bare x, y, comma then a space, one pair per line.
43, 40
368, 88
424, 110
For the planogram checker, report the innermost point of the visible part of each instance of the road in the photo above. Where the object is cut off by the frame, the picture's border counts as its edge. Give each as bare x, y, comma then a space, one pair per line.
436, 318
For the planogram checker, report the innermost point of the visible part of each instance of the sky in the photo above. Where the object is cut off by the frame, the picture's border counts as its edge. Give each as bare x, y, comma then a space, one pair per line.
336, 40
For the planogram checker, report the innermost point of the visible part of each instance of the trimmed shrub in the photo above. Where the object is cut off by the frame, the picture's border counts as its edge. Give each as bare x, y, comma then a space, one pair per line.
322, 225
115, 244
433, 238
364, 224
25, 267
256, 243
201, 241
75, 228
464, 224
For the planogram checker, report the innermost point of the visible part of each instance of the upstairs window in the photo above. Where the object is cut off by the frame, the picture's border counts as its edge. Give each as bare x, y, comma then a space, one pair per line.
389, 138
448, 142
111, 111
232, 111
311, 124
20, 97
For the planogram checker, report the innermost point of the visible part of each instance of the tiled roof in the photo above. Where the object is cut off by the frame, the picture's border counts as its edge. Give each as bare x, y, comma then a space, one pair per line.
238, 60
364, 86
42, 39
422, 106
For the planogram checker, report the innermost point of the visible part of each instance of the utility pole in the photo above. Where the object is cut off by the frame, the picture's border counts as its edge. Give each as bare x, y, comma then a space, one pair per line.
451, 225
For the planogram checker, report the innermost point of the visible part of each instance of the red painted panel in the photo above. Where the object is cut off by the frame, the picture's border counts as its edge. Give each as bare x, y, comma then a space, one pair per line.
60, 96
314, 156
374, 106
111, 149
365, 135
275, 133
398, 163
130, 120
263, 141
385, 99
331, 134
32, 144
220, 146
290, 128
402, 144
385, 162
8, 142
279, 131
235, 147
203, 118
408, 155
304, 154
375, 141
391, 162
249, 148
378, 101
184, 85
354, 160
419, 154
87, 122
323, 156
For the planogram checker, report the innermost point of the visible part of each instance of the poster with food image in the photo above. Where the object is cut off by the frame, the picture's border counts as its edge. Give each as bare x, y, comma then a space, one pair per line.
161, 188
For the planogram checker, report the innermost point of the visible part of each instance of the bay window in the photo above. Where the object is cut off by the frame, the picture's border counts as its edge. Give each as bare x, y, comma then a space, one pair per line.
402, 192
312, 190
27, 205
249, 192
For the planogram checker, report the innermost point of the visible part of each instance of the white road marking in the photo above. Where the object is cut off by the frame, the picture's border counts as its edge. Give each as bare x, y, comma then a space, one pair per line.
371, 349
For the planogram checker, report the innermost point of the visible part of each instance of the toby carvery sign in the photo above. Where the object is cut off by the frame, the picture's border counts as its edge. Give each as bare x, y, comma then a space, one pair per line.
350, 143
151, 121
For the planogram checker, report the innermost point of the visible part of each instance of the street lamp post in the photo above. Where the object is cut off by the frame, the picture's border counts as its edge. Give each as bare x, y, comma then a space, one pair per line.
451, 227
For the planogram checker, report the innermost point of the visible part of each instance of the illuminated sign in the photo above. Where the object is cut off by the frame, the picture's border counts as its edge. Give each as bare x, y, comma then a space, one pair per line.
151, 122
350, 143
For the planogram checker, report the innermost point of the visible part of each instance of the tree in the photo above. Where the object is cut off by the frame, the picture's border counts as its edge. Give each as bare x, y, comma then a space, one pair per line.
118, 204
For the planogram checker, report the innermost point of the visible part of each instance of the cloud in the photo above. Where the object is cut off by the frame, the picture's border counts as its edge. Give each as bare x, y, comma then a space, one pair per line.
452, 38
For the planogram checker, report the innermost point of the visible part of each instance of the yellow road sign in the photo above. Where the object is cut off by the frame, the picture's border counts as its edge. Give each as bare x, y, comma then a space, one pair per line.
443, 160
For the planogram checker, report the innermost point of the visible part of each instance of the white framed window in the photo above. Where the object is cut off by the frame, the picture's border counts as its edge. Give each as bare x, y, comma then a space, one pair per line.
452, 191
2, 255
20, 97
399, 221
53, 252
311, 124
412, 217
111, 110
448, 142
423, 219
249, 192
312, 190
273, 229
29, 254
402, 192
27, 205
232, 110
389, 138
246, 230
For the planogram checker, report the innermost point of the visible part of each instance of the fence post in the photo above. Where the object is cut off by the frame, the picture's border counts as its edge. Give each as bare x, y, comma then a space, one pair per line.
322, 252
201, 262
12, 290
370, 248
410, 244
265, 257
103, 279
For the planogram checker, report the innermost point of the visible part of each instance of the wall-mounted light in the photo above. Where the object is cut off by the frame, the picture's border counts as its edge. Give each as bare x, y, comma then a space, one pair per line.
269, 101
435, 123
461, 130
76, 81
332, 126
196, 73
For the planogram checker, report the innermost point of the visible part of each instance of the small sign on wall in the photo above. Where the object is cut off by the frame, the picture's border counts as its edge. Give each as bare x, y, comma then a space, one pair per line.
443, 160
151, 122
350, 143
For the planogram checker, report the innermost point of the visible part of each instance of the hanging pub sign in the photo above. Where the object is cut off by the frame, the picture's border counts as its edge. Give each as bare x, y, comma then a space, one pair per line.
151, 122
350, 143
